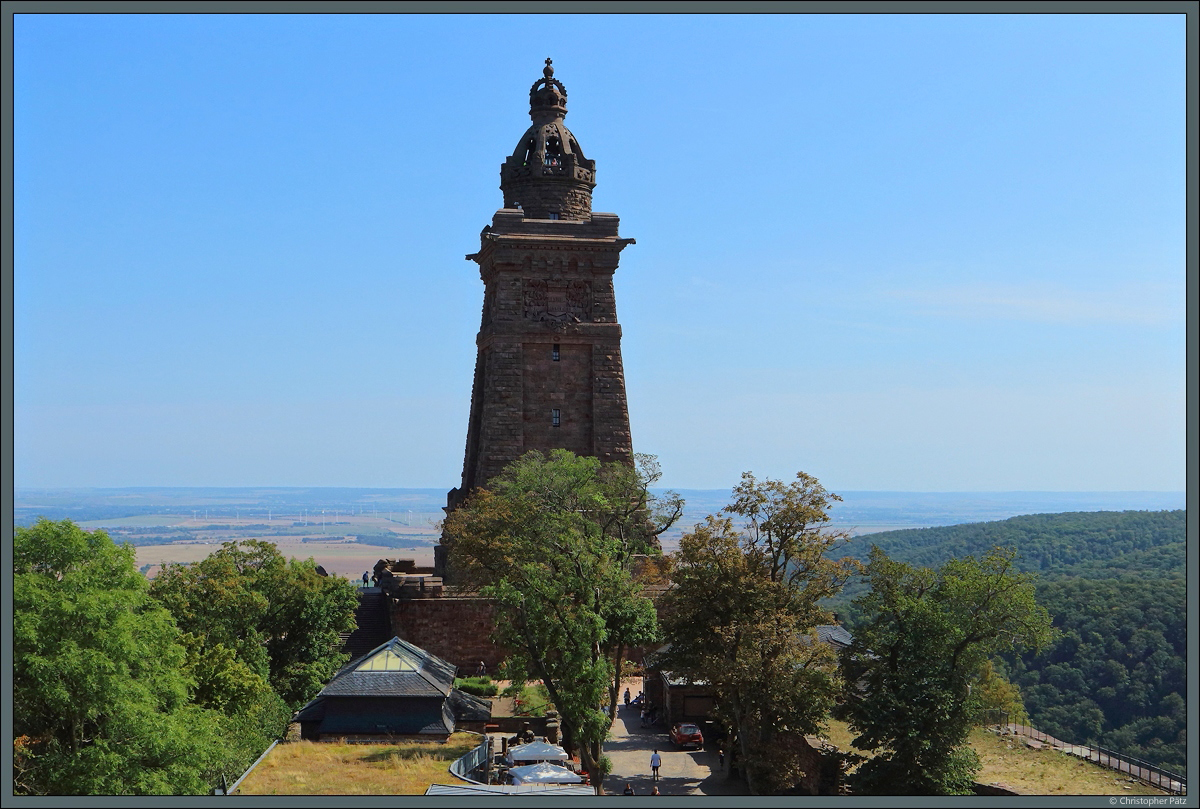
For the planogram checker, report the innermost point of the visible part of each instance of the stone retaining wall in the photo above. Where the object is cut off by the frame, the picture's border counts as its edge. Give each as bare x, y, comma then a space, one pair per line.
456, 629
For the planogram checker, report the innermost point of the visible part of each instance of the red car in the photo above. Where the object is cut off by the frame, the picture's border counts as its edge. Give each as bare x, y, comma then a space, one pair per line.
687, 735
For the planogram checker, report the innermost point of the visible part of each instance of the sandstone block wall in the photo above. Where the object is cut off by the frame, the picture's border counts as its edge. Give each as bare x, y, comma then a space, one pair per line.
453, 628
570, 199
563, 385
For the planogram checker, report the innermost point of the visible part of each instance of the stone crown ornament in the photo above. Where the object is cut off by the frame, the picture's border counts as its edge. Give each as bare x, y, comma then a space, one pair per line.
547, 97
547, 175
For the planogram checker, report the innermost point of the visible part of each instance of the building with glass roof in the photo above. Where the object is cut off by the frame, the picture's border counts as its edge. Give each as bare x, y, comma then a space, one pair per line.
395, 690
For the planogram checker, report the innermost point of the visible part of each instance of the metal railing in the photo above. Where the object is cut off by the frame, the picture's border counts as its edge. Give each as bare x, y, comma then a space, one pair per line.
257, 761
473, 760
1142, 771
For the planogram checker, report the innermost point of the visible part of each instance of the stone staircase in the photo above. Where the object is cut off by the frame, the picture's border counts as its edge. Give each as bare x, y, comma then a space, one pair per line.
374, 623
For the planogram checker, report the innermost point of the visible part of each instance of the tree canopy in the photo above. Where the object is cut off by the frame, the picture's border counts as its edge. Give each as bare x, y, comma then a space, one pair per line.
551, 540
100, 691
1117, 674
924, 641
741, 615
251, 617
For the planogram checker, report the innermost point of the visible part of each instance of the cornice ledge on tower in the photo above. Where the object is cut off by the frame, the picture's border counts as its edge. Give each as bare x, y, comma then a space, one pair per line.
506, 330
514, 220
554, 241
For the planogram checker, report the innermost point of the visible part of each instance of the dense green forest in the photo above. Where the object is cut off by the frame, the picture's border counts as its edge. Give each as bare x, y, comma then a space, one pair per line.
1117, 675
1091, 544
1115, 584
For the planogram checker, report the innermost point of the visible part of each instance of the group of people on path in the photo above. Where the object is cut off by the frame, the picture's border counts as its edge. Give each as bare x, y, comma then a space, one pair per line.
648, 713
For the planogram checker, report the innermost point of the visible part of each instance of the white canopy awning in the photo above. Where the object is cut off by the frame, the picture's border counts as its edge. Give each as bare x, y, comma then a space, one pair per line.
536, 751
543, 773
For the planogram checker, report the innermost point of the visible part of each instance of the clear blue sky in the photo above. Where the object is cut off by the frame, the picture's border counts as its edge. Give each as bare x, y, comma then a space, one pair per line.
898, 252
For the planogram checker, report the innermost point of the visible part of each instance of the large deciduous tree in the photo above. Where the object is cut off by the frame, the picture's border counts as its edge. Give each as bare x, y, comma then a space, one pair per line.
551, 540
251, 617
924, 642
100, 693
741, 615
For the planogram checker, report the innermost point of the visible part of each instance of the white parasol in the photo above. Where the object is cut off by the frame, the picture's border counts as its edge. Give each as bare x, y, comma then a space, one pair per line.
543, 773
536, 751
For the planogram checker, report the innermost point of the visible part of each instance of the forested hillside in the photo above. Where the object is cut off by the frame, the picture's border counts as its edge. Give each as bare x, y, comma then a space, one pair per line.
1092, 544
1115, 584
1117, 675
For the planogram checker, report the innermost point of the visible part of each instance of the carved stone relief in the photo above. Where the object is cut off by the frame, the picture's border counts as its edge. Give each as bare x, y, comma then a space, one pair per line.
557, 301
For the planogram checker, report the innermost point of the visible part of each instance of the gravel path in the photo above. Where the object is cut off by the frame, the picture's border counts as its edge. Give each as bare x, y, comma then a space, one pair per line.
683, 772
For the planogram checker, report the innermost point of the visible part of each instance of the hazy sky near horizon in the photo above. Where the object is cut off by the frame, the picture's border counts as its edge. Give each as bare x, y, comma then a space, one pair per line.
898, 252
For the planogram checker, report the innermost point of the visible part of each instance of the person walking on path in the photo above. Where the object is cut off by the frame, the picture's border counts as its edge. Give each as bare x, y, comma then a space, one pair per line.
366, 577
655, 763
627, 696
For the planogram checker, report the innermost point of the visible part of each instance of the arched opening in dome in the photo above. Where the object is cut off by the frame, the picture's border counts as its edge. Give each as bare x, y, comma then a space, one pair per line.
553, 151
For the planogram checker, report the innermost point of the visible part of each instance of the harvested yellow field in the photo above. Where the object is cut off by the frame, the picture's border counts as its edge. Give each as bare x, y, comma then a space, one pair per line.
348, 559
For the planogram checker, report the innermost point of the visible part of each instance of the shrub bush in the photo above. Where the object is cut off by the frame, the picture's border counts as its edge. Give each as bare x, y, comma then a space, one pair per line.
477, 686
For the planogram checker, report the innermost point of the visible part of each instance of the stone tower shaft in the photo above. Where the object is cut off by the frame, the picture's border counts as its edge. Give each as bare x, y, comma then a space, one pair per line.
548, 368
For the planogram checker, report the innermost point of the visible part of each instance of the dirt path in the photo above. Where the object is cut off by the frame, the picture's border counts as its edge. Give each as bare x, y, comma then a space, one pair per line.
683, 772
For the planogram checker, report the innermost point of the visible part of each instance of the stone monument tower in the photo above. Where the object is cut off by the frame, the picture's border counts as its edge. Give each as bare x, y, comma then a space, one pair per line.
548, 371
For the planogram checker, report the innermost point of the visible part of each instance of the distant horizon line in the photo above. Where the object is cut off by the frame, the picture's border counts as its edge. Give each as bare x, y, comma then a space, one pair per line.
18, 489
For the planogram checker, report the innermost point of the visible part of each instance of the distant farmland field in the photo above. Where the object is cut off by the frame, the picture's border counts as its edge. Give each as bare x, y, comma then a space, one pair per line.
347, 559
332, 544
138, 521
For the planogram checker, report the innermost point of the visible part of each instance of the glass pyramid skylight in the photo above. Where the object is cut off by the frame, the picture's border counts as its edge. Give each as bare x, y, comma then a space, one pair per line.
387, 660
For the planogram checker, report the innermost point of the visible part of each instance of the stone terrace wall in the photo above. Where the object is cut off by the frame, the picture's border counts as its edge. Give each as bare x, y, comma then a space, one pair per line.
459, 628
456, 629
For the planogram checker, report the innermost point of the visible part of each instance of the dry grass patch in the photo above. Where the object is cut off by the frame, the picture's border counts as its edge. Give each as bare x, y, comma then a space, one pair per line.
331, 768
1010, 763
840, 736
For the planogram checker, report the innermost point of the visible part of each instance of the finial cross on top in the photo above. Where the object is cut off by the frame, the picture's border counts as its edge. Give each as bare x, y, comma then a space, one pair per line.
548, 71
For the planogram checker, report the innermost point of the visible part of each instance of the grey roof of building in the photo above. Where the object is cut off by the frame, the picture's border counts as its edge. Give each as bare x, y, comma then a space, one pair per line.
431, 675
834, 635
314, 711
469, 708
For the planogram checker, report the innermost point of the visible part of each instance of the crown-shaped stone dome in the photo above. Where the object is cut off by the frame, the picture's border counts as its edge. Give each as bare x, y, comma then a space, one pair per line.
547, 175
